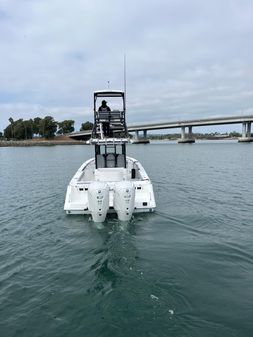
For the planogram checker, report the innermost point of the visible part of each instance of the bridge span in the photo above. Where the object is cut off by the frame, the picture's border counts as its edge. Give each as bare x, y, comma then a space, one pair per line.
186, 137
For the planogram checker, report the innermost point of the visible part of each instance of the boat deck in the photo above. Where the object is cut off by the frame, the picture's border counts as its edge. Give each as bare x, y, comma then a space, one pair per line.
131, 172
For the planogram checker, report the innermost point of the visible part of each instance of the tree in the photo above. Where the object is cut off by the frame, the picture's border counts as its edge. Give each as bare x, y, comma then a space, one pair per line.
15, 130
47, 127
19, 129
25, 129
86, 126
11, 120
8, 132
66, 126
235, 134
28, 129
36, 125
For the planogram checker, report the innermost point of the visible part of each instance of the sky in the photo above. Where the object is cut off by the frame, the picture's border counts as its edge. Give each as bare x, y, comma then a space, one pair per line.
186, 59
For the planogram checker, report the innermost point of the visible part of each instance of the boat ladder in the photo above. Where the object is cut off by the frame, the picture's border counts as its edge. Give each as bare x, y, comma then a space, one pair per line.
100, 130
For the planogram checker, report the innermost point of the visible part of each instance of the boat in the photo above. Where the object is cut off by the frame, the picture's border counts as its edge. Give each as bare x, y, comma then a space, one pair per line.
111, 182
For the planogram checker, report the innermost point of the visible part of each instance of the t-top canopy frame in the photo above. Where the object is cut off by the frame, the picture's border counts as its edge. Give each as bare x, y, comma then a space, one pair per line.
109, 93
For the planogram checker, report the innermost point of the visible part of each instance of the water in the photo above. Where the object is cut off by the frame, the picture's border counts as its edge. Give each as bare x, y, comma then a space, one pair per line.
186, 270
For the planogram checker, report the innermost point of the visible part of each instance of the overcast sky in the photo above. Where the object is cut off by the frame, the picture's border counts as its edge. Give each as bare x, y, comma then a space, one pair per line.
185, 59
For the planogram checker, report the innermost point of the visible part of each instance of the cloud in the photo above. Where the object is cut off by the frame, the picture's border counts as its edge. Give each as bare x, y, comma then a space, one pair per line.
185, 59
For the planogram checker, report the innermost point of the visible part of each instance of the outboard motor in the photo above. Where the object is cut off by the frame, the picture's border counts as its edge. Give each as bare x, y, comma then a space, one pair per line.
124, 197
98, 200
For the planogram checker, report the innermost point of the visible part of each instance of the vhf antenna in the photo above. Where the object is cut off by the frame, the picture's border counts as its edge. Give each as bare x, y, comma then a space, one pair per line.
125, 74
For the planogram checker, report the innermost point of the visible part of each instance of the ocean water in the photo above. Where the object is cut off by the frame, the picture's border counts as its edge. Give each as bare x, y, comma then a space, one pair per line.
185, 270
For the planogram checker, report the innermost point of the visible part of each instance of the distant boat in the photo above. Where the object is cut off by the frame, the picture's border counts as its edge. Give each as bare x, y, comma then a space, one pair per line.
110, 182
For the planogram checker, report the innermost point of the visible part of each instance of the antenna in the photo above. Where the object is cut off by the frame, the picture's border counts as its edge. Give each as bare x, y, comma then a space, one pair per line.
125, 74
108, 84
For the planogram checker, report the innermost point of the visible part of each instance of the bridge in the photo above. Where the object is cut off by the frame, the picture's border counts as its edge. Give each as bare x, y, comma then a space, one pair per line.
186, 137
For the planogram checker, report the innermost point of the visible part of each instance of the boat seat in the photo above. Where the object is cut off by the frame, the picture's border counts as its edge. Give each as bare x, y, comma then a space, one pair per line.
120, 160
100, 161
110, 160
114, 115
117, 126
103, 116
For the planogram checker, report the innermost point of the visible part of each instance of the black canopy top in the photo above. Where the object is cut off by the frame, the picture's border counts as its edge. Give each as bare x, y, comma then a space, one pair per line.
108, 93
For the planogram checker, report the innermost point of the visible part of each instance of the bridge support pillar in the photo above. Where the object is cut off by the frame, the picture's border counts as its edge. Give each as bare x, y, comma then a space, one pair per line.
249, 129
246, 133
138, 140
186, 138
183, 132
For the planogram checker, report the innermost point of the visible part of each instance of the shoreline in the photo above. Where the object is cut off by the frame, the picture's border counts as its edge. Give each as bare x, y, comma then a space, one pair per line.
25, 143
28, 143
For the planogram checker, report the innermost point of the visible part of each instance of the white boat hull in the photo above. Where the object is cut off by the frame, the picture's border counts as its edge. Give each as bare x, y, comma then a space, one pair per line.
139, 198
